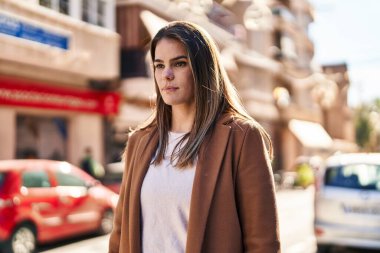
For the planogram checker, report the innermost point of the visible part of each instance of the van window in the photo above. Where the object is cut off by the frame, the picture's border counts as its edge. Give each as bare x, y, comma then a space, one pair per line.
356, 176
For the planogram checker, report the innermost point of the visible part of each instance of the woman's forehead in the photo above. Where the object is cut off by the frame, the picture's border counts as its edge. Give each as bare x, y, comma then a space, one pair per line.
168, 48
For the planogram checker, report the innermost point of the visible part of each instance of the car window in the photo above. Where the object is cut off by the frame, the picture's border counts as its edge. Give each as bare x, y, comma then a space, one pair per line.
356, 176
67, 179
2, 179
35, 179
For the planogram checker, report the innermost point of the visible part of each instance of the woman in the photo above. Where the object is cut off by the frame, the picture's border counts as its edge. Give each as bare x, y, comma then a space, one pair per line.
197, 177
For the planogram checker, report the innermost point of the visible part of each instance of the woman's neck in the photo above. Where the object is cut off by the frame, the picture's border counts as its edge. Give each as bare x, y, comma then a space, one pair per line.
182, 120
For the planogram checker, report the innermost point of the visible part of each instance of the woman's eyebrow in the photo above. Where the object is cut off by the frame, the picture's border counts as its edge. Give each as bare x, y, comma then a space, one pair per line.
173, 59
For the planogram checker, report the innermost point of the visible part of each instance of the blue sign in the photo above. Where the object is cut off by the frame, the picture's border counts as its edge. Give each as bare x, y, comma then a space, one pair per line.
12, 26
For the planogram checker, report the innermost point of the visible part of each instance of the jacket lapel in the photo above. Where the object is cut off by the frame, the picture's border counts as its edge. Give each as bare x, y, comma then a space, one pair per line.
207, 170
145, 152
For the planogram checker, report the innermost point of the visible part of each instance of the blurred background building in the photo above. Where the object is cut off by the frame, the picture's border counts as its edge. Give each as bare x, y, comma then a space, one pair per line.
59, 64
268, 54
264, 46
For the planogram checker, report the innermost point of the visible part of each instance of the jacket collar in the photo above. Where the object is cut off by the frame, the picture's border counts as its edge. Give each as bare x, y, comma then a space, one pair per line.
207, 170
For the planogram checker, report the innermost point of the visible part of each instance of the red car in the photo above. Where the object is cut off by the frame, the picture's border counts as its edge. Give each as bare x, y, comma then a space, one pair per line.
113, 177
43, 201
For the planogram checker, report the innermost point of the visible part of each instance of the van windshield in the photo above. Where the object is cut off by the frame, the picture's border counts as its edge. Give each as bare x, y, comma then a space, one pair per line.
354, 176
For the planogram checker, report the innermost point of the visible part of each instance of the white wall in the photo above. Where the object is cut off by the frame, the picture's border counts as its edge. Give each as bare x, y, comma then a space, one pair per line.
85, 130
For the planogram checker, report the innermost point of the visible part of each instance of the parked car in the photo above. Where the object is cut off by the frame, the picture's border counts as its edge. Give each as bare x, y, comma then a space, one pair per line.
113, 176
347, 203
43, 201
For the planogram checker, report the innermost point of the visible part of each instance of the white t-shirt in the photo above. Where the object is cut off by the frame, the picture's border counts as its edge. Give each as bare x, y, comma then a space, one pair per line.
165, 204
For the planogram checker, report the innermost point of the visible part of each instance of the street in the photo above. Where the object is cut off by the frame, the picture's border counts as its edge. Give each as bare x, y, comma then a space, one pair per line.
296, 229
296, 220
90, 243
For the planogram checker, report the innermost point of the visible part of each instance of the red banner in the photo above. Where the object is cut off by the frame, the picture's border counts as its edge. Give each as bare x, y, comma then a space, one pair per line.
31, 94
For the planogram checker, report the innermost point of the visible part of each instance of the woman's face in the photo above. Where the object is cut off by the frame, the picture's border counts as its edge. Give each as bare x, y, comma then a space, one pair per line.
173, 73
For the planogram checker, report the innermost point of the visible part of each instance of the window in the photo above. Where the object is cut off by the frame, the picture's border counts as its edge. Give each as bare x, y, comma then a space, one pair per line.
46, 3
65, 179
85, 11
277, 42
132, 63
2, 179
284, 13
101, 13
64, 6
357, 176
35, 179
58, 5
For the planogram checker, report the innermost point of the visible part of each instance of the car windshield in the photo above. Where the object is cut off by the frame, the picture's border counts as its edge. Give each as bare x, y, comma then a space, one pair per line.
355, 176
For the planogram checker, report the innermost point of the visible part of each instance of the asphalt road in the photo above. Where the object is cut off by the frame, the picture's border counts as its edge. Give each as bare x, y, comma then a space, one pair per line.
296, 229
83, 244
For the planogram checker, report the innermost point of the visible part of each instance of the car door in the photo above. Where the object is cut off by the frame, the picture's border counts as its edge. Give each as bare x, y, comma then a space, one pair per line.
81, 212
40, 202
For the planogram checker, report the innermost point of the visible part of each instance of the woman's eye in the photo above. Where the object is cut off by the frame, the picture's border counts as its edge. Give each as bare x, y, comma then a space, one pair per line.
180, 64
159, 66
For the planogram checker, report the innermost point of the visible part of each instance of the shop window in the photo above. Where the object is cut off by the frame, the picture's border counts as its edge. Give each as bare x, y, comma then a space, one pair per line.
35, 179
41, 137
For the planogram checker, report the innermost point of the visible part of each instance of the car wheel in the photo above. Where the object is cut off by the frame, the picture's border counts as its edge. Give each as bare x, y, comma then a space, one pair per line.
23, 240
106, 222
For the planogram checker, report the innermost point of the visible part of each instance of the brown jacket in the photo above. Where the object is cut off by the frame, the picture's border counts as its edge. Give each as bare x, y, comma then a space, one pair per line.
233, 206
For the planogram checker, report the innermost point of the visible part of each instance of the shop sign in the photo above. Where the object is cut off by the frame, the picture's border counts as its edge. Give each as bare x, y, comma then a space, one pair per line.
30, 94
20, 29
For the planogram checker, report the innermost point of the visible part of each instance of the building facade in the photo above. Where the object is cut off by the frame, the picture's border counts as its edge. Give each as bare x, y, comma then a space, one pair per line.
59, 66
267, 53
338, 118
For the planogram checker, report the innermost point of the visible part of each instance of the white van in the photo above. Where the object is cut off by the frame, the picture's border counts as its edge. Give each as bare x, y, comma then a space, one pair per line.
347, 202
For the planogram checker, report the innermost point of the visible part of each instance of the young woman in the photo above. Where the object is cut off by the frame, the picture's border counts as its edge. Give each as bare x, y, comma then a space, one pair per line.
197, 176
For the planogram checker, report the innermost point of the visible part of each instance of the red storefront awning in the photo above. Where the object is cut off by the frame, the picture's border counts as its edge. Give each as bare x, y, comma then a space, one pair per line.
32, 94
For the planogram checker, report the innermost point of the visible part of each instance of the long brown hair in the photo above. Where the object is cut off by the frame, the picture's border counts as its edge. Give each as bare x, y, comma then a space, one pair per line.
214, 93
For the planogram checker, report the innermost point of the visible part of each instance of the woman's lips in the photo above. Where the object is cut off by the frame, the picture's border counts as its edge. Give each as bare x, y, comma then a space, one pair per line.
170, 88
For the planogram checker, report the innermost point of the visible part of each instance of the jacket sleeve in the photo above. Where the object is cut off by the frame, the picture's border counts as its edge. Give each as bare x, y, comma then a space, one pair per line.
114, 241
115, 236
256, 200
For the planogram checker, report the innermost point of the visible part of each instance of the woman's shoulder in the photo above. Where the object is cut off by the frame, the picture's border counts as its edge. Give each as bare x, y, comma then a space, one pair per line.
248, 130
139, 133
240, 123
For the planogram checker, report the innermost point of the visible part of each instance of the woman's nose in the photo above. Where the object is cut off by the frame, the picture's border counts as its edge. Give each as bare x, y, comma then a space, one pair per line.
168, 74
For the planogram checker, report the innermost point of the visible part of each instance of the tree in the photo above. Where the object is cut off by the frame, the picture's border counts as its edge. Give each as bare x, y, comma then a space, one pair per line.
363, 127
